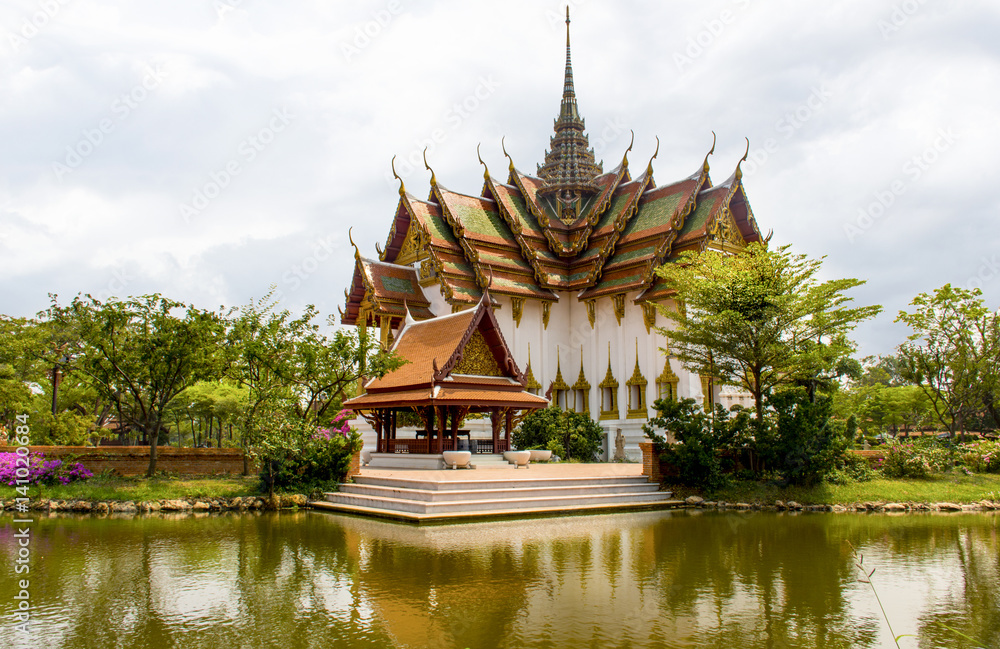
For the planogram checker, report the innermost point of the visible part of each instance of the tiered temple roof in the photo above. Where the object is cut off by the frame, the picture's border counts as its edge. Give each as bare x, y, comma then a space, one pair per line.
572, 227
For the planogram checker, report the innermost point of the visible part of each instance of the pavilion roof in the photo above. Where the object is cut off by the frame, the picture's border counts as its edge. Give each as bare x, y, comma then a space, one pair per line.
457, 359
574, 227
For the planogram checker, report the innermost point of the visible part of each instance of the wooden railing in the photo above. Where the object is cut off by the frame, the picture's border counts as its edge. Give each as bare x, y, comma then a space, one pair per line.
482, 446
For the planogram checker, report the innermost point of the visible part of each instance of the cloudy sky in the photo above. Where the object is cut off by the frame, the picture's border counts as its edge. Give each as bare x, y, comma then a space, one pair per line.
208, 149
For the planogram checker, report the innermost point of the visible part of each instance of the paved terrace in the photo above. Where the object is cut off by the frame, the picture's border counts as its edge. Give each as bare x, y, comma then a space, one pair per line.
535, 471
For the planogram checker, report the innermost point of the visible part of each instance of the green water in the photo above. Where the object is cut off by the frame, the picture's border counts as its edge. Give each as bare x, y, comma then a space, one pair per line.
653, 579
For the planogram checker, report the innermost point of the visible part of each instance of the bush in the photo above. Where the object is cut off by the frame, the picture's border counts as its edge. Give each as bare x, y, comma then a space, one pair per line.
701, 444
981, 457
301, 457
39, 470
803, 444
915, 459
852, 468
570, 435
62, 429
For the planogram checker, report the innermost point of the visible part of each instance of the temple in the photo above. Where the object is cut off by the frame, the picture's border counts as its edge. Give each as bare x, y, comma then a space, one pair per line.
566, 258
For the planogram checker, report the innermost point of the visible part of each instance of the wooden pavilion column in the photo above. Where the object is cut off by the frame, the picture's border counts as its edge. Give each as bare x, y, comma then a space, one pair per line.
455, 417
442, 427
429, 423
379, 448
495, 428
508, 425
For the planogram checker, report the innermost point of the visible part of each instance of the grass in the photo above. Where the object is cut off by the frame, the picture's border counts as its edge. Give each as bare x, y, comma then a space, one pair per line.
102, 487
940, 488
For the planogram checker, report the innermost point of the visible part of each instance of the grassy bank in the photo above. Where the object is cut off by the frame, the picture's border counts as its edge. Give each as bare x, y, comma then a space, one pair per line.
140, 489
949, 488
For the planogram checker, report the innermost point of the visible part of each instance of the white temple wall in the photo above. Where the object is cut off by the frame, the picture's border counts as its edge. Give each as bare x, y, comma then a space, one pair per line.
569, 328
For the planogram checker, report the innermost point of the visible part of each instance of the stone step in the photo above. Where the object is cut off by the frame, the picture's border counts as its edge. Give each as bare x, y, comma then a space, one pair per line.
524, 490
564, 510
595, 500
499, 483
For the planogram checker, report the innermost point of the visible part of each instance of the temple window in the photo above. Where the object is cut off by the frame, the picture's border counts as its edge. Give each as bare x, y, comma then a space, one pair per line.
609, 392
637, 390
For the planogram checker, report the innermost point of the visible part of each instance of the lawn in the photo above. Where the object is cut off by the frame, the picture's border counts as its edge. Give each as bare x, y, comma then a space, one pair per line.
939, 488
140, 489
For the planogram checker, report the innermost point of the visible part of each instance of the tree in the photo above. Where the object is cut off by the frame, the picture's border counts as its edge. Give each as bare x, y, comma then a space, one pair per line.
566, 433
292, 370
760, 319
142, 352
953, 354
19, 343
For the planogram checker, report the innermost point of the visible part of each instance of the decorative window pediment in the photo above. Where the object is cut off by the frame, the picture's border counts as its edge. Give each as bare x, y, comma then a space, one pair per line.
637, 390
531, 383
609, 392
559, 388
666, 382
581, 389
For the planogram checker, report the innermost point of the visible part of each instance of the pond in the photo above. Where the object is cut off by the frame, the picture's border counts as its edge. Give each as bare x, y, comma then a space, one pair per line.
650, 579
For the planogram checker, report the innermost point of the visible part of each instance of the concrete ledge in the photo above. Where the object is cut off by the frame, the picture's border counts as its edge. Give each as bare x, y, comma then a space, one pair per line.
406, 461
412, 517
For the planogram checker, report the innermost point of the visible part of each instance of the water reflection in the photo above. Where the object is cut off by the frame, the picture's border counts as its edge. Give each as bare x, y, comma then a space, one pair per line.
654, 579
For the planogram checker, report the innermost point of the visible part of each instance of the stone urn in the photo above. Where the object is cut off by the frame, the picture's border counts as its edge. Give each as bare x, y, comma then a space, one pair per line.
455, 459
517, 458
366, 458
540, 455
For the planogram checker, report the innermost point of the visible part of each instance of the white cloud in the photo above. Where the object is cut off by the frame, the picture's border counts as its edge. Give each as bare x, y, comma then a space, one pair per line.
369, 80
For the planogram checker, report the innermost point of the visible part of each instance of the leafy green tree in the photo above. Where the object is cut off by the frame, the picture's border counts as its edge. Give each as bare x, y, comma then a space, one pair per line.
291, 370
760, 319
702, 448
953, 354
803, 443
140, 353
568, 434
207, 407
19, 346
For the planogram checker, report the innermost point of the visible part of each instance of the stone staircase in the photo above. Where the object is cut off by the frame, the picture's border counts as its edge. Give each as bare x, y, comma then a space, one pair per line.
422, 500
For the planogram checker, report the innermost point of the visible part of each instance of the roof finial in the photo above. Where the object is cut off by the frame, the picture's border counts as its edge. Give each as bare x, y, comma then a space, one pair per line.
433, 177
510, 160
567, 26
569, 163
357, 253
486, 170
739, 172
408, 319
402, 187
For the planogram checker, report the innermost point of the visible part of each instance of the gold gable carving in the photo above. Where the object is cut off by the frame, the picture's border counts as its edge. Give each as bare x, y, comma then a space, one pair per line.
413, 248
477, 358
726, 230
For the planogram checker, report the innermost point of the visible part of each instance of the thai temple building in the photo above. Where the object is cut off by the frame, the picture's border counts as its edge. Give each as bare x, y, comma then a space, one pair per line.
568, 256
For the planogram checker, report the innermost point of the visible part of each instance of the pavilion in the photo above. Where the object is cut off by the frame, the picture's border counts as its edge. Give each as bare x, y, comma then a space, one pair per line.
455, 365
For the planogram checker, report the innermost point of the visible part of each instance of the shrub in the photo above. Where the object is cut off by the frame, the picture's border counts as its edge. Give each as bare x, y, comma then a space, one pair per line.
701, 443
802, 443
981, 457
304, 458
62, 429
39, 470
914, 459
852, 468
567, 434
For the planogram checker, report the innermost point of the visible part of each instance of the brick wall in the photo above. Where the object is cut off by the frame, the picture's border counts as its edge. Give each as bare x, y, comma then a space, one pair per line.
355, 467
134, 460
650, 462
870, 455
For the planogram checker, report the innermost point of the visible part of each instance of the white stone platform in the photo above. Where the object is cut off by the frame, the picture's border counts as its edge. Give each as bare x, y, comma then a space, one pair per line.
437, 495
431, 461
